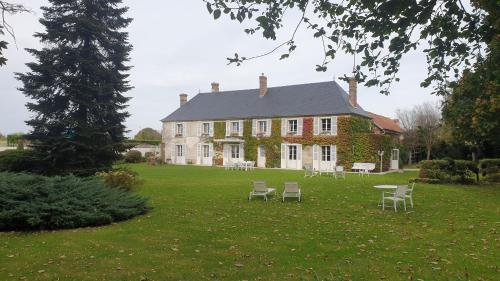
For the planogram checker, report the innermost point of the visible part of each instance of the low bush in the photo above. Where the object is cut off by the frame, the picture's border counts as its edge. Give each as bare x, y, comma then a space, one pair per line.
18, 161
424, 180
133, 156
122, 177
449, 170
490, 169
31, 202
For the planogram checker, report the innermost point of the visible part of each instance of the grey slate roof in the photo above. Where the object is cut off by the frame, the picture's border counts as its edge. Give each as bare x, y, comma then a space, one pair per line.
323, 98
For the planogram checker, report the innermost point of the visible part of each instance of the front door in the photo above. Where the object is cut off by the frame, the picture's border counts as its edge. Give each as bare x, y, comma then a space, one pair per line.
325, 163
261, 156
206, 153
180, 154
395, 159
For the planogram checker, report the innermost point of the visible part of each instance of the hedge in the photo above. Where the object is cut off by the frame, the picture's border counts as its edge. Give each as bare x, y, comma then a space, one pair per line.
459, 171
490, 169
19, 161
29, 202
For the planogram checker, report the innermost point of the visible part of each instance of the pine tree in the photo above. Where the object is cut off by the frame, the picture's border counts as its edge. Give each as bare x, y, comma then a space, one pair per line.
77, 84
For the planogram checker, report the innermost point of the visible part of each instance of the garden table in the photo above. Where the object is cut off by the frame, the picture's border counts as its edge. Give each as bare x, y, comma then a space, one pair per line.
384, 187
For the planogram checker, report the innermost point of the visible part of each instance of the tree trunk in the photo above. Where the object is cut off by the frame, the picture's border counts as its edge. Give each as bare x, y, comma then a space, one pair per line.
428, 153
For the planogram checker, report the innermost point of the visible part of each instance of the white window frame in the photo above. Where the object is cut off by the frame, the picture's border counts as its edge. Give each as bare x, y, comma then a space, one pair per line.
233, 152
289, 126
292, 152
179, 150
326, 157
262, 127
322, 129
181, 132
203, 131
207, 147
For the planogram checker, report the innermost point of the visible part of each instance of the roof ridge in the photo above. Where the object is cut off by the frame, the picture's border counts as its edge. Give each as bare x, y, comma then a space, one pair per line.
274, 87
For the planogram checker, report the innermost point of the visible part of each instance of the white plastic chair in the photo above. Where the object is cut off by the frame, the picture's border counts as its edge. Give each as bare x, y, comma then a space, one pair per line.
291, 190
339, 172
260, 189
398, 196
409, 194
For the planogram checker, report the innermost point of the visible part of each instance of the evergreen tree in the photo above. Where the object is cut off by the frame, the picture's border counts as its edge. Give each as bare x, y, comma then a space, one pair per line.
77, 85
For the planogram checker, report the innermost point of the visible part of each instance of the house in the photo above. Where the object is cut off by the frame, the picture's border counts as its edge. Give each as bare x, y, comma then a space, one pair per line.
386, 125
316, 124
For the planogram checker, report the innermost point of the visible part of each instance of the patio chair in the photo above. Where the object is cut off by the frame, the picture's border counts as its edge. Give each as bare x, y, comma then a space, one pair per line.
339, 172
398, 196
260, 189
409, 194
291, 190
228, 165
309, 172
251, 165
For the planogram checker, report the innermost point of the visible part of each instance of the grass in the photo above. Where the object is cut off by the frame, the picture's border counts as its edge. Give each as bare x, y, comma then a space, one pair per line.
203, 228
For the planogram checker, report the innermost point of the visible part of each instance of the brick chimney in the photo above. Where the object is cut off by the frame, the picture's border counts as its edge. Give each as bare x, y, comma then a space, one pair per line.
262, 85
215, 87
353, 91
183, 99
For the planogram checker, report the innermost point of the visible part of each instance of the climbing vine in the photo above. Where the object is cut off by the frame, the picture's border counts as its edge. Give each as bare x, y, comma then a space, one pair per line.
219, 130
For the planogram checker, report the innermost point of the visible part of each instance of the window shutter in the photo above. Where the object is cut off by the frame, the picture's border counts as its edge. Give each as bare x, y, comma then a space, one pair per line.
254, 127
269, 127
173, 129
184, 130
200, 125
334, 125
240, 133
211, 129
242, 152
316, 157
184, 151
198, 154
299, 153
284, 126
211, 150
226, 153
228, 128
300, 126
316, 126
283, 155
334, 155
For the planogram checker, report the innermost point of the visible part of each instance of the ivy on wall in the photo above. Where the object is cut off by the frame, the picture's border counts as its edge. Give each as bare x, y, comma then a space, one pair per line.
355, 142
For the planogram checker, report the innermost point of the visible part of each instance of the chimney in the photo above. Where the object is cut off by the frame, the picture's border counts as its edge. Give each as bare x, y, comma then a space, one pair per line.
215, 87
396, 121
183, 99
262, 85
353, 91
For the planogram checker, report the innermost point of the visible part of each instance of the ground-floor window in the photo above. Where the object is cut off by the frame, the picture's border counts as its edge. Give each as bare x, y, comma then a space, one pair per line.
326, 153
179, 150
206, 151
235, 151
292, 152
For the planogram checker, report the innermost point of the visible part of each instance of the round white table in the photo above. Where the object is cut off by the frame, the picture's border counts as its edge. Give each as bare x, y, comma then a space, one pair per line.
384, 187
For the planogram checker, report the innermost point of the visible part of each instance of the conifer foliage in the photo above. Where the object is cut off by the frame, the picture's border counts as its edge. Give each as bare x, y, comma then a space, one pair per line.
77, 85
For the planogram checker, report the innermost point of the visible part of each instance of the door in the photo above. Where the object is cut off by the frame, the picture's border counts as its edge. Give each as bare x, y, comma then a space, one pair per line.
291, 156
261, 156
180, 154
233, 153
395, 159
325, 163
206, 155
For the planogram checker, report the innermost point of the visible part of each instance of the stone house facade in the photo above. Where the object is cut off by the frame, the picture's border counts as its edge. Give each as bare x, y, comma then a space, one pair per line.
288, 127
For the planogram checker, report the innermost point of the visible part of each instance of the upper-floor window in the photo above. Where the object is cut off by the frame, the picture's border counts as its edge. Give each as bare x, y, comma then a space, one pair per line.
326, 125
293, 126
262, 127
206, 129
179, 129
235, 127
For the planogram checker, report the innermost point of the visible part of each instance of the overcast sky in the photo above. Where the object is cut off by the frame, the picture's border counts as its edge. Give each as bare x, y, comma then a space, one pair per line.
179, 48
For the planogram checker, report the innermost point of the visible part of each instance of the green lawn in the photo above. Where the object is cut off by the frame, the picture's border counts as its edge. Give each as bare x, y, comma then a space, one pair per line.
203, 228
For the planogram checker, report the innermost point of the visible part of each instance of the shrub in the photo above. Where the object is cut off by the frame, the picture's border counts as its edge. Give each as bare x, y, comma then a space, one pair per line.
18, 161
30, 202
490, 168
424, 180
133, 156
122, 177
449, 170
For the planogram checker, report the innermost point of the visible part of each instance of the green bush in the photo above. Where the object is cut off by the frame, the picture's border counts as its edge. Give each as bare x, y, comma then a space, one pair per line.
30, 202
490, 168
449, 170
122, 177
424, 180
133, 156
18, 161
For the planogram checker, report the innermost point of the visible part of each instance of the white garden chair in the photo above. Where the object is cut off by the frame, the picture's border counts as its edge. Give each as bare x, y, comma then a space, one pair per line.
409, 194
339, 172
309, 171
291, 190
398, 196
260, 189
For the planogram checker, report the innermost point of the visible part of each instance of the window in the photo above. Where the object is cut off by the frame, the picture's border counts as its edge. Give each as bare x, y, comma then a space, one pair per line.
180, 150
326, 153
206, 151
292, 126
235, 151
262, 151
179, 129
292, 152
262, 125
235, 127
326, 125
206, 129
